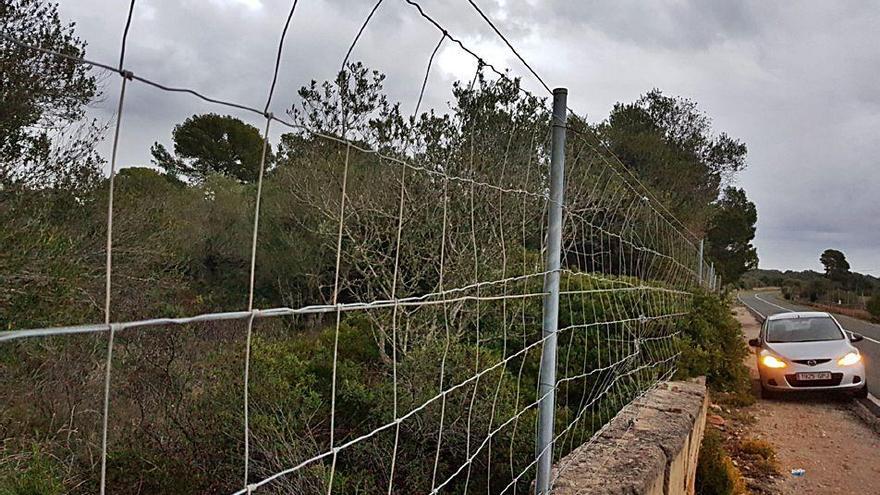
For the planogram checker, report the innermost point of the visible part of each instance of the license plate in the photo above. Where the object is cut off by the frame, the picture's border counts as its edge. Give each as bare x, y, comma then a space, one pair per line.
813, 376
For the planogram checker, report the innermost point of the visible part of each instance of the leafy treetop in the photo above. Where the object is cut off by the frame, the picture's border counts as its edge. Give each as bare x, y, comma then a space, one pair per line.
210, 143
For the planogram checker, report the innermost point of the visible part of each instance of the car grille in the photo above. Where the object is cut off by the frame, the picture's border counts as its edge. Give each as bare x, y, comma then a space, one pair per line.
835, 380
810, 362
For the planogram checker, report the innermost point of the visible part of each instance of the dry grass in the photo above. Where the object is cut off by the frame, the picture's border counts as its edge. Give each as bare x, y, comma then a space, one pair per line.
716, 473
861, 314
761, 453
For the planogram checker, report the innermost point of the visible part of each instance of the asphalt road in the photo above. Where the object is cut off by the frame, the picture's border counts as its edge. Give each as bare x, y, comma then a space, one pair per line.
769, 303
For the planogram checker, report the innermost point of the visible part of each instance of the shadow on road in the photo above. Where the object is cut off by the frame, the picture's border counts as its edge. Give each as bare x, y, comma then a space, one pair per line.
806, 396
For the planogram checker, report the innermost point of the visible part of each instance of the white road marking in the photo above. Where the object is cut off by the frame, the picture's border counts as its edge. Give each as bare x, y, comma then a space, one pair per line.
789, 309
747, 305
873, 399
771, 304
869, 339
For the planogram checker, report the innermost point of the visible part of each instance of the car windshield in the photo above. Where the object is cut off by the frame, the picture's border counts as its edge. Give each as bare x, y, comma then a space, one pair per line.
803, 330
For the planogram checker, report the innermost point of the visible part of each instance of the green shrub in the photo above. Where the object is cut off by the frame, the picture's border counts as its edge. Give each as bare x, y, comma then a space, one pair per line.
712, 345
760, 448
874, 306
34, 473
716, 474
761, 452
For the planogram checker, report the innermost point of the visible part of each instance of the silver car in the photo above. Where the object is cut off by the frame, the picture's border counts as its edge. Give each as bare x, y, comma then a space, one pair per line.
808, 351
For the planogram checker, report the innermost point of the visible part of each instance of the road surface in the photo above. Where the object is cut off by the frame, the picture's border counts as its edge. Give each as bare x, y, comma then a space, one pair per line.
769, 303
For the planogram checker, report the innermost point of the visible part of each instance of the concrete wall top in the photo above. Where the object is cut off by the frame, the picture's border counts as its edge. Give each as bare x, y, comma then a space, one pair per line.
650, 447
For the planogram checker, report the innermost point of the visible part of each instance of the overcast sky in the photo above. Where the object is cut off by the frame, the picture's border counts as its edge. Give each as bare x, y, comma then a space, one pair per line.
796, 81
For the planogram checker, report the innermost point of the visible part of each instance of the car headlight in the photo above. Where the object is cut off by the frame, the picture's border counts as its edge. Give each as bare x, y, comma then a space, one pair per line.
849, 359
772, 361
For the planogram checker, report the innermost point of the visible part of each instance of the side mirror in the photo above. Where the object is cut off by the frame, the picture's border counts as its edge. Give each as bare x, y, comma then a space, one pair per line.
855, 337
757, 342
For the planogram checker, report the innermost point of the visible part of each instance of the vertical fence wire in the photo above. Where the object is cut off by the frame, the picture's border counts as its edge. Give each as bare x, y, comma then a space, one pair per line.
342, 198
108, 272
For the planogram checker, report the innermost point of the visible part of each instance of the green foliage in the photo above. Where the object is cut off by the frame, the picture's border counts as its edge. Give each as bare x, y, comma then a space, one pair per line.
177, 395
45, 267
669, 143
183, 247
854, 292
874, 306
716, 474
761, 453
31, 473
712, 345
48, 168
44, 96
730, 235
173, 474
836, 266
353, 105
790, 288
213, 144
816, 289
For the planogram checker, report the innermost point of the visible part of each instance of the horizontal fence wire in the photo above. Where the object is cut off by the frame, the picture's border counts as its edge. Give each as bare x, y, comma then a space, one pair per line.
437, 264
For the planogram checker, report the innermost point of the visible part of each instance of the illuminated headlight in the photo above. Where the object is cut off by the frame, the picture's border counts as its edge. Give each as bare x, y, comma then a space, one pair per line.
772, 361
850, 359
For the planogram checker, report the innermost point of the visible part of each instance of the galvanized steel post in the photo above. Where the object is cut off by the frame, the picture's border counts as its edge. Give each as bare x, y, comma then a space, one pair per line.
547, 379
700, 265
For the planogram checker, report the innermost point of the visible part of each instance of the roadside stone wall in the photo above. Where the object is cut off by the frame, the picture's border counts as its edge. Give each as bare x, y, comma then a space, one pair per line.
651, 447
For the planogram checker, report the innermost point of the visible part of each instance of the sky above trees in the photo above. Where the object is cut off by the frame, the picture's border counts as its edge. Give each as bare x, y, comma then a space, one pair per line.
796, 84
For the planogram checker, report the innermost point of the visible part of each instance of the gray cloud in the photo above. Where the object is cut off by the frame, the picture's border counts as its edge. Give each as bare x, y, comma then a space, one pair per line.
795, 81
681, 25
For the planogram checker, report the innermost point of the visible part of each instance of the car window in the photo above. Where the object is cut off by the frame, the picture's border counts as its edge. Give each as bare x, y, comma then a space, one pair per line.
803, 330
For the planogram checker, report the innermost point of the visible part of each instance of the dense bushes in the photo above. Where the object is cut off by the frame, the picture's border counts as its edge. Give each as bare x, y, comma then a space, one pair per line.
851, 290
176, 420
712, 345
874, 306
716, 474
31, 473
181, 249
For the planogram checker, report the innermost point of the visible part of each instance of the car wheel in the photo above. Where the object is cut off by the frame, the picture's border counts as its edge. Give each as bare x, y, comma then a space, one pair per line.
861, 393
767, 393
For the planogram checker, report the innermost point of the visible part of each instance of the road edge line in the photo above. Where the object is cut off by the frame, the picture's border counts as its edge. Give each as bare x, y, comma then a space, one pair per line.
868, 410
754, 311
772, 304
790, 309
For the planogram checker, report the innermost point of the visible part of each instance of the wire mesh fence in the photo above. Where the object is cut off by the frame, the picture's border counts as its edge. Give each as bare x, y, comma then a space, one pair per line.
420, 364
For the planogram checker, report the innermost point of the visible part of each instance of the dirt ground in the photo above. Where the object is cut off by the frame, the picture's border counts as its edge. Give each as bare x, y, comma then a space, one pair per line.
818, 433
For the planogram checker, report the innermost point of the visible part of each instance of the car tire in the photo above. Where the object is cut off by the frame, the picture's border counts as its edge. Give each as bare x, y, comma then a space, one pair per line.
767, 394
861, 393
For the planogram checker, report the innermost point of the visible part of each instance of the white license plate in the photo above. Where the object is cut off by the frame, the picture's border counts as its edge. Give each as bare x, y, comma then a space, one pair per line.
814, 376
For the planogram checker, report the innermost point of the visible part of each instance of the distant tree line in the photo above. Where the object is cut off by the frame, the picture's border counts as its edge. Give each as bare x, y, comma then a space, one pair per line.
838, 285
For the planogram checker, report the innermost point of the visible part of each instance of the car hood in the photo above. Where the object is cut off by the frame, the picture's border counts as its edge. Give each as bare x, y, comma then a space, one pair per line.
828, 349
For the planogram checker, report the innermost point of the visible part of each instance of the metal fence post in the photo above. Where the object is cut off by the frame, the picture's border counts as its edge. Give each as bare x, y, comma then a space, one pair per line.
547, 379
712, 276
700, 265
